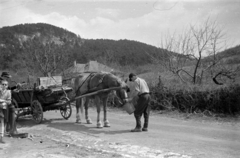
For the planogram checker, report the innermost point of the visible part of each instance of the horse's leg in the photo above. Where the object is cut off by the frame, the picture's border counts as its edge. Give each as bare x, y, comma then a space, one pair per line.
88, 120
78, 104
97, 103
105, 120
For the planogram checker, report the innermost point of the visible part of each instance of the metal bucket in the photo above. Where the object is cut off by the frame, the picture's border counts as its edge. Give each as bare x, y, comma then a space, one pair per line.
129, 107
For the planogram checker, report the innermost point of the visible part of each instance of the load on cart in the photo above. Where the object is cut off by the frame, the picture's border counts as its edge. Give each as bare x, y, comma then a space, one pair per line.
48, 93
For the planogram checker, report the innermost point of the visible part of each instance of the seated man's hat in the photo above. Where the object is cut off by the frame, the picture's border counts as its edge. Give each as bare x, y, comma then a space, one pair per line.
6, 74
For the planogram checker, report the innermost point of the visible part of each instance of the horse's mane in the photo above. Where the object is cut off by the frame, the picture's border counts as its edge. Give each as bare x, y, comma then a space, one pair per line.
119, 79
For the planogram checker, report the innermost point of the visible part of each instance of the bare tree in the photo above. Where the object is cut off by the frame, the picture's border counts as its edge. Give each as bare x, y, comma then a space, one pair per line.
45, 57
222, 73
189, 48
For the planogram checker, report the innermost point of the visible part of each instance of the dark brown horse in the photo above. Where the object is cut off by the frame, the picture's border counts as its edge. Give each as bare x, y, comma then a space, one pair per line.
91, 82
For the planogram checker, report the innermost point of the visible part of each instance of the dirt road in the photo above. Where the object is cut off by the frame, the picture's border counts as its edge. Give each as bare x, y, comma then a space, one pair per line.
169, 136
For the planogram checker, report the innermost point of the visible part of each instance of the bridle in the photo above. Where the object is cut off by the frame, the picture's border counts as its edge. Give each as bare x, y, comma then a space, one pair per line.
120, 99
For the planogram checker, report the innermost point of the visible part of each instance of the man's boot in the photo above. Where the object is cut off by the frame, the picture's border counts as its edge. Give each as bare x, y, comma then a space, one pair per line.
2, 130
12, 129
1, 140
138, 124
145, 125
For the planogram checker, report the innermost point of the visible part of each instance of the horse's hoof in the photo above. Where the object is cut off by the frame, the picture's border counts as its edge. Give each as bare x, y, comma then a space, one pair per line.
89, 121
99, 125
106, 124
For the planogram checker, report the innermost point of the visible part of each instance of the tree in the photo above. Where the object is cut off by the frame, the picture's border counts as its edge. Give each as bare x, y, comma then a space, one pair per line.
189, 48
45, 57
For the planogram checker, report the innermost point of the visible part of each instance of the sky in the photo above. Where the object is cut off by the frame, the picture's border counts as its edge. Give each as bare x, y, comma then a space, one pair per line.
146, 21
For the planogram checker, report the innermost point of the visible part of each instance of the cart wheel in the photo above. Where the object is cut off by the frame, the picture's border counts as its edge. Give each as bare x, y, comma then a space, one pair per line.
15, 104
37, 111
66, 110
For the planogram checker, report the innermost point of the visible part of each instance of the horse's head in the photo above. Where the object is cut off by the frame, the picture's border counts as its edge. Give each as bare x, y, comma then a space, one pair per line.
111, 80
122, 96
122, 92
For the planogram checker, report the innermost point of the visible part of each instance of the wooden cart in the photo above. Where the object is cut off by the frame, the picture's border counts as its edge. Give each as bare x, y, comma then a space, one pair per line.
42, 98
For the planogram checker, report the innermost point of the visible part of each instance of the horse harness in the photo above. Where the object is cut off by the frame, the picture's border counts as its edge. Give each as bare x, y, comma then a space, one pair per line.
89, 78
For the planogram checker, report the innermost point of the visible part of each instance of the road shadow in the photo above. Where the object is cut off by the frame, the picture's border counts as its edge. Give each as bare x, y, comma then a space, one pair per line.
68, 126
27, 121
84, 127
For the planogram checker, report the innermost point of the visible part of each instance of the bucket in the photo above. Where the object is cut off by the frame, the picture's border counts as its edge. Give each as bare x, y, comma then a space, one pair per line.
129, 107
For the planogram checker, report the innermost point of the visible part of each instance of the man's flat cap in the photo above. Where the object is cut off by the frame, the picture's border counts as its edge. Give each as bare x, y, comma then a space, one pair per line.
131, 75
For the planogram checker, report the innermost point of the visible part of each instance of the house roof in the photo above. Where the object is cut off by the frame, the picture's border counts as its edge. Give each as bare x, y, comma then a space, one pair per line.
95, 66
92, 66
76, 68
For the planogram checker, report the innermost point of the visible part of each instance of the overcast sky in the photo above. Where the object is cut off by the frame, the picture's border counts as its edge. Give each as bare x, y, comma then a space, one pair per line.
143, 20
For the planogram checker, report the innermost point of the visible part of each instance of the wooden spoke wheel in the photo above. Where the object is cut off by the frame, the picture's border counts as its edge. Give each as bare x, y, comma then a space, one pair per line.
37, 111
65, 110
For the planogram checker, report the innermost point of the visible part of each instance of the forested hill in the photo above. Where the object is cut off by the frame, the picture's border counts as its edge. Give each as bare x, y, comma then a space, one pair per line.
47, 48
124, 52
26, 44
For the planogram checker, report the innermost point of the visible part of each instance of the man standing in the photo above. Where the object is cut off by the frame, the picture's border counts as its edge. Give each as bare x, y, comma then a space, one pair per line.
143, 104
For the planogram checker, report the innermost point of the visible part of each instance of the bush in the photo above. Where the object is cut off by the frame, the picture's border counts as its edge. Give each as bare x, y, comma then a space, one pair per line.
224, 100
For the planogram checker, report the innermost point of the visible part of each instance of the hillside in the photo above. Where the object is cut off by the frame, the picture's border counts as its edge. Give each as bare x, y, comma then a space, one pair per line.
25, 46
229, 56
41, 48
123, 52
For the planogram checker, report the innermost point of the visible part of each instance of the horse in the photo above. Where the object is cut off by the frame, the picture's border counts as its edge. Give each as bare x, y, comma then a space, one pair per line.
88, 82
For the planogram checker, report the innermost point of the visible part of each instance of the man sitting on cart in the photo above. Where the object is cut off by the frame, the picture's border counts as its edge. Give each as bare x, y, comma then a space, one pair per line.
11, 124
5, 101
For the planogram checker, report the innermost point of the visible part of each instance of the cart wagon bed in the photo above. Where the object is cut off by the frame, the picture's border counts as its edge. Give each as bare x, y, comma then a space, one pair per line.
39, 99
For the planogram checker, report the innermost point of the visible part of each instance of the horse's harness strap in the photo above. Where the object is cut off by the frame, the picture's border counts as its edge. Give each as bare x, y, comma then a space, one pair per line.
100, 81
88, 79
89, 76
